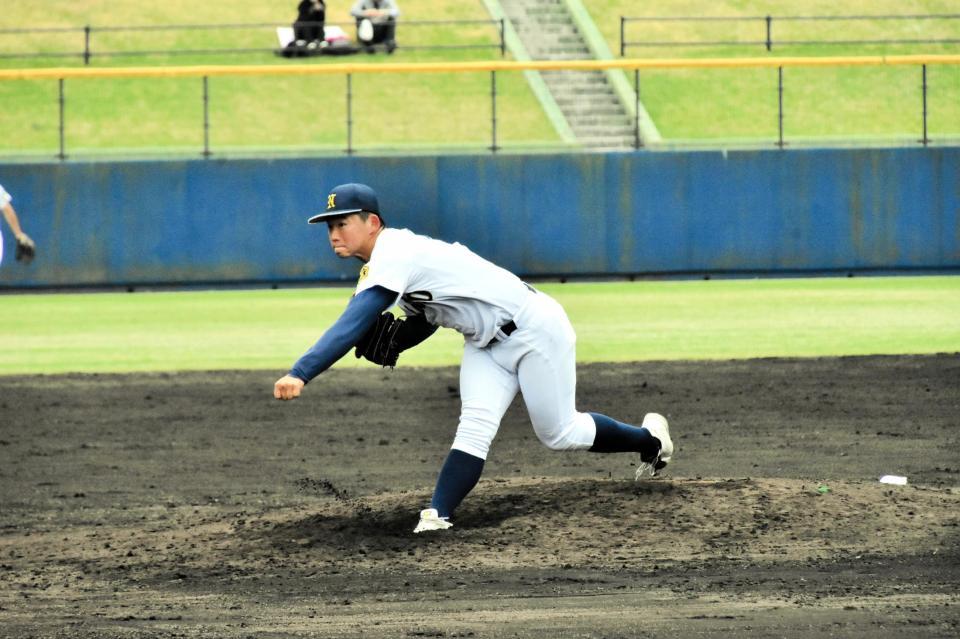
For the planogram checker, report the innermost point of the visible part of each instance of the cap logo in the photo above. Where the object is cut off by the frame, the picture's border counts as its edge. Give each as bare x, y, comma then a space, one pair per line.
331, 201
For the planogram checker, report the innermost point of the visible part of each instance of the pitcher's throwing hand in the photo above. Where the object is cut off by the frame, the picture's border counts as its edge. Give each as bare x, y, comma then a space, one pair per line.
287, 387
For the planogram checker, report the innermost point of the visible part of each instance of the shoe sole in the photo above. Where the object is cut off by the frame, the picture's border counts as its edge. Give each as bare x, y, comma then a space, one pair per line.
430, 528
431, 522
659, 428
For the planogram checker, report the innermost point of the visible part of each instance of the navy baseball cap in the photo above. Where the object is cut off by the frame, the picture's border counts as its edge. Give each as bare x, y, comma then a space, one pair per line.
346, 199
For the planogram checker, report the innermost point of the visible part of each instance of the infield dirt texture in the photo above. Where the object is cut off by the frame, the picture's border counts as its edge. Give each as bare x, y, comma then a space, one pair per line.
195, 505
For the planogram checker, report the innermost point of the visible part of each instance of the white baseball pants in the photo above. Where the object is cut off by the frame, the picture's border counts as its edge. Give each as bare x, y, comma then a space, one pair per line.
537, 359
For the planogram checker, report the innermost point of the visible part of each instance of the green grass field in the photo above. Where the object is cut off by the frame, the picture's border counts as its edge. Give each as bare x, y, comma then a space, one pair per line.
824, 103
433, 111
649, 320
255, 113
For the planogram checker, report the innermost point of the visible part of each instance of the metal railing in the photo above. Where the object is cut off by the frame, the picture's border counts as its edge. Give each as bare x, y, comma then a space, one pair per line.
88, 51
204, 72
765, 28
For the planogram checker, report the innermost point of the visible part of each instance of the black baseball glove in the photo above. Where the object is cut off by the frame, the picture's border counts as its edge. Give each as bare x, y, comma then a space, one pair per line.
379, 343
26, 249
390, 336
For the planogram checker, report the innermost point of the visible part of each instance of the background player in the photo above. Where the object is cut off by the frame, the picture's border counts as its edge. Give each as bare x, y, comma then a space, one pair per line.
515, 339
26, 249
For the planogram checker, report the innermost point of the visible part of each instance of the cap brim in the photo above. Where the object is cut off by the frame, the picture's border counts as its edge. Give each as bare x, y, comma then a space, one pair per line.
326, 215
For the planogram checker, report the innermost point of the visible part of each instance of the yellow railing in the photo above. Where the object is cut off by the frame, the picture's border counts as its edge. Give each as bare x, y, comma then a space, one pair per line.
349, 69
468, 67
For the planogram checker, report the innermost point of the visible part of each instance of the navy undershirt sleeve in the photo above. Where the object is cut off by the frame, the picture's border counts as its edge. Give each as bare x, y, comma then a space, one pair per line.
359, 316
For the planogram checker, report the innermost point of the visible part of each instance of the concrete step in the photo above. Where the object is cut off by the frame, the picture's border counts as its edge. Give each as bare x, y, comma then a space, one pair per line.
576, 76
590, 83
594, 120
539, 26
572, 90
551, 53
546, 15
533, 36
567, 92
572, 95
569, 95
548, 55
608, 114
611, 136
539, 8
567, 39
601, 120
584, 105
579, 86
561, 45
595, 132
604, 121
585, 101
595, 83
560, 24
586, 93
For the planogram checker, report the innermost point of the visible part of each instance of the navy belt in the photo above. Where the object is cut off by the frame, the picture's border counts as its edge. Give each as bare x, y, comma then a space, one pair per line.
506, 329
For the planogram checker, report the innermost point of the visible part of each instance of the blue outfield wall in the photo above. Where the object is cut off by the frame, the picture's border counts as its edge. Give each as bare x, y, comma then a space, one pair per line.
244, 220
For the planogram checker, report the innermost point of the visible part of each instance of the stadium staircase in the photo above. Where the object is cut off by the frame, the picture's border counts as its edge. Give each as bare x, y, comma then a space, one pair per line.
548, 31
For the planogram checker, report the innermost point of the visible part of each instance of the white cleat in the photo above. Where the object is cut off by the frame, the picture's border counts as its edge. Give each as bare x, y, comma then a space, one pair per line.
658, 427
430, 519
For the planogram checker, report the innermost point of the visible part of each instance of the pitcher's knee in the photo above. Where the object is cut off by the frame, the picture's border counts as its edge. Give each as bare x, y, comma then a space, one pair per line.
577, 434
476, 431
559, 443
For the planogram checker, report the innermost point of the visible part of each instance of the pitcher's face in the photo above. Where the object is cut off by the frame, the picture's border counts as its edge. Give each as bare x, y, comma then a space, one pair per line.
352, 236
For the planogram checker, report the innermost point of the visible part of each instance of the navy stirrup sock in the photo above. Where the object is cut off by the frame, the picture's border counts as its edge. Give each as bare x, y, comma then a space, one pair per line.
616, 437
460, 473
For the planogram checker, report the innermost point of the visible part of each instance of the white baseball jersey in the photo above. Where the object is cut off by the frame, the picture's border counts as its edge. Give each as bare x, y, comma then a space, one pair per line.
456, 288
449, 284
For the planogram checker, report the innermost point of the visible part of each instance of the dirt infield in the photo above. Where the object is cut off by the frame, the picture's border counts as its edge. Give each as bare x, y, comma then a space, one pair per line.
195, 505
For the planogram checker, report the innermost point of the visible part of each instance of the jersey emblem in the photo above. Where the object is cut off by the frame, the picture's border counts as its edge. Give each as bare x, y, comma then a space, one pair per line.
363, 272
331, 201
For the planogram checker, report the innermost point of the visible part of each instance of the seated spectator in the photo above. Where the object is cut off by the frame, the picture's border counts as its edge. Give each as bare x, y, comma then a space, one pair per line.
308, 28
376, 23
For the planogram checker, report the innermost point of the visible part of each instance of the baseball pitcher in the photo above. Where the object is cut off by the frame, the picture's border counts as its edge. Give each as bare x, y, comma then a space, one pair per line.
516, 338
